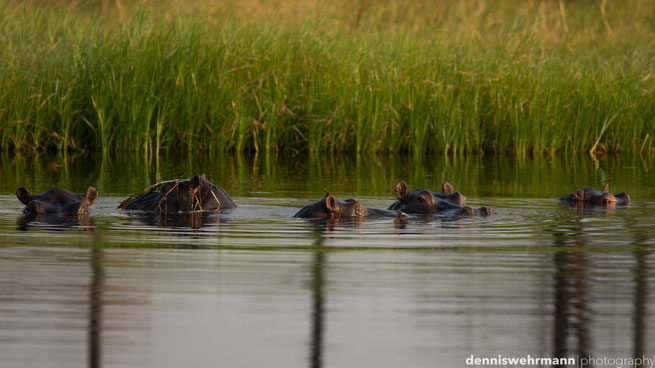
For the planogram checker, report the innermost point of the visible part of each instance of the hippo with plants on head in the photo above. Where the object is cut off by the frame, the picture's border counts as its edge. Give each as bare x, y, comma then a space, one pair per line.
57, 201
596, 197
183, 195
329, 208
448, 194
423, 201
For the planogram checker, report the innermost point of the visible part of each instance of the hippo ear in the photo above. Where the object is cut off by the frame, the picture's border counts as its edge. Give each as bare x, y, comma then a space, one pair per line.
24, 195
331, 202
607, 188
458, 198
623, 196
447, 188
401, 190
90, 196
194, 182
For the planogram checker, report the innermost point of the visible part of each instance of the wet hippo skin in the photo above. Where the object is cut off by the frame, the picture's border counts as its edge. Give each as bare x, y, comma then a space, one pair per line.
57, 201
176, 196
424, 201
329, 208
596, 197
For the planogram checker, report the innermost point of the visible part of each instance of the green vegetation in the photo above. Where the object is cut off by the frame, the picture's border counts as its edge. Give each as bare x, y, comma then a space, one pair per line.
421, 76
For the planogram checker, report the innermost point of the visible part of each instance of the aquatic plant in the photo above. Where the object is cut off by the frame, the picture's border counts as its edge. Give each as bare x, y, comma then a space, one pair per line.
424, 76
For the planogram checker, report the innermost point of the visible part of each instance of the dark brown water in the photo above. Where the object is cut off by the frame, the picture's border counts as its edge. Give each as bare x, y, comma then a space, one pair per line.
255, 287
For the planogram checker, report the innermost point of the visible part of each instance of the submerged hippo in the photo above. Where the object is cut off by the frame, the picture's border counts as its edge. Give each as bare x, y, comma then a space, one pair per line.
423, 201
596, 197
448, 194
57, 201
329, 208
184, 195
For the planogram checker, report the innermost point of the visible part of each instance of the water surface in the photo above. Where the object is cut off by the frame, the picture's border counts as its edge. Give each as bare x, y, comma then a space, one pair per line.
255, 287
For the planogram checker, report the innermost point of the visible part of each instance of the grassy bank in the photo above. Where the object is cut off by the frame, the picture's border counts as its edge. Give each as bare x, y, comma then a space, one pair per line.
430, 76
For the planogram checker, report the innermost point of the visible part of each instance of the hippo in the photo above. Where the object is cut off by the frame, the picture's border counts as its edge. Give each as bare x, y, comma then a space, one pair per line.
183, 195
447, 194
592, 196
423, 201
57, 201
329, 208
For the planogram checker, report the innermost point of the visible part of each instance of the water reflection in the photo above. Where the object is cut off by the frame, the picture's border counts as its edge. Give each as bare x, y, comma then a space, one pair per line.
640, 312
55, 222
573, 291
318, 309
443, 221
256, 286
642, 290
327, 226
571, 336
95, 307
192, 220
588, 209
349, 175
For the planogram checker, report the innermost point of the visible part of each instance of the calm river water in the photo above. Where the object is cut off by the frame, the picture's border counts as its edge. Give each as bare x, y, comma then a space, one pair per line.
254, 287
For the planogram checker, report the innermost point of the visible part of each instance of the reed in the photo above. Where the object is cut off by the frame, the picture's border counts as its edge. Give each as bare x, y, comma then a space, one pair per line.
426, 76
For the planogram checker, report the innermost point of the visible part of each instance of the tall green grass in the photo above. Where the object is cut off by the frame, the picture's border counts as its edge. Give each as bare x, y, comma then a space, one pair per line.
440, 76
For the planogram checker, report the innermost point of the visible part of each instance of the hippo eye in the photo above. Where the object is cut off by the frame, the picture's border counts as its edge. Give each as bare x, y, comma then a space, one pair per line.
420, 199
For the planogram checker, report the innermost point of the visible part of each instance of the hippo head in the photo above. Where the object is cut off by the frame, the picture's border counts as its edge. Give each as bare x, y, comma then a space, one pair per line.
329, 208
194, 194
185, 195
423, 201
57, 201
448, 194
592, 196
420, 201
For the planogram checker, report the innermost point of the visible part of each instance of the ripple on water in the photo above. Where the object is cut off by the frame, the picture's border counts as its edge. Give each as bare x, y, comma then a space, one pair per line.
385, 293
518, 223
